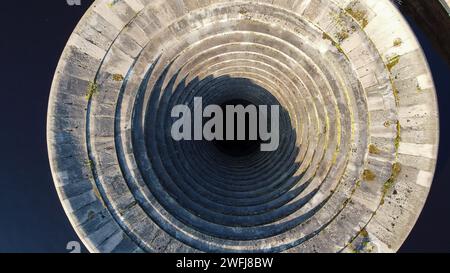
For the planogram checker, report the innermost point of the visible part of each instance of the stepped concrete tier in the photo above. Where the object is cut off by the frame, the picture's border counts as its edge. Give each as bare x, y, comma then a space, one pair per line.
358, 121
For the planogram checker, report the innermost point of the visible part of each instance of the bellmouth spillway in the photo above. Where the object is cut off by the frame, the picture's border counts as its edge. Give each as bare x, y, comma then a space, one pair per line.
358, 126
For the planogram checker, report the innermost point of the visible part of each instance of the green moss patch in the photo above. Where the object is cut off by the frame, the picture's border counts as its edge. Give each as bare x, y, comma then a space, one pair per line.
359, 15
368, 175
117, 77
419, 88
243, 11
374, 149
342, 35
398, 136
112, 3
396, 94
393, 61
396, 169
92, 89
333, 42
397, 42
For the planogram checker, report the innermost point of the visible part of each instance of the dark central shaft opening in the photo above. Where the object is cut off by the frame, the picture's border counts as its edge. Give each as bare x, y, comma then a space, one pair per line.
238, 148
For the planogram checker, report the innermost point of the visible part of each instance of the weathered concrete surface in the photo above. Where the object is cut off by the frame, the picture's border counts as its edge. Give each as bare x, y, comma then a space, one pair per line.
359, 126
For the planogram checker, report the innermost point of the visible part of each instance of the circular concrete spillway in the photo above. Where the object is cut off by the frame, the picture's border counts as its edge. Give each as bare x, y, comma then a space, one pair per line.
358, 123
